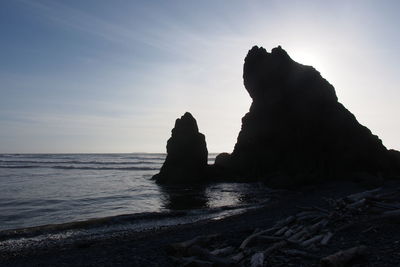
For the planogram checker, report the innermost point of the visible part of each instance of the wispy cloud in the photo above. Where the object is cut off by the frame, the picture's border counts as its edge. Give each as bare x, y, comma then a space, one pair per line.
145, 64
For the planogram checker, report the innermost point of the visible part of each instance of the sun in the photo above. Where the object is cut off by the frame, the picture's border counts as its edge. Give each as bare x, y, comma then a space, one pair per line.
310, 58
323, 63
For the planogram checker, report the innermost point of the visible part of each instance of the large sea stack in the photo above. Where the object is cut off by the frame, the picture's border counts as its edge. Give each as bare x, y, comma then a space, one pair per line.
296, 130
187, 156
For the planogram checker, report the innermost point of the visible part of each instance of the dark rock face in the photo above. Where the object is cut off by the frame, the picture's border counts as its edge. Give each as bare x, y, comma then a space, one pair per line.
296, 132
296, 128
187, 156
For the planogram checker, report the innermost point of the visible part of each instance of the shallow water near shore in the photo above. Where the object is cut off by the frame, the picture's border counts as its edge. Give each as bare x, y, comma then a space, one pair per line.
43, 189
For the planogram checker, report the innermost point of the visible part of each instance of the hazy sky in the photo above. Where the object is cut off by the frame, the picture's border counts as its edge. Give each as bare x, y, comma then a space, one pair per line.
112, 76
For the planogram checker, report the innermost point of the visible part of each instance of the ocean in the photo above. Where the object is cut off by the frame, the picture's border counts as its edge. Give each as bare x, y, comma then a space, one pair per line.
43, 189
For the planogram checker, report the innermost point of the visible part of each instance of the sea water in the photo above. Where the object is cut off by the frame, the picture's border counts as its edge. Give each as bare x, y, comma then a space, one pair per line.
41, 189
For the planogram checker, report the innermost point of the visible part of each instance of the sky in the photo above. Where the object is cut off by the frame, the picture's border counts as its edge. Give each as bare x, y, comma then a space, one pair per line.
99, 76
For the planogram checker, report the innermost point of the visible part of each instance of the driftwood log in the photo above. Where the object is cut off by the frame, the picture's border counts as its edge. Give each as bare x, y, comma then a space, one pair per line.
343, 257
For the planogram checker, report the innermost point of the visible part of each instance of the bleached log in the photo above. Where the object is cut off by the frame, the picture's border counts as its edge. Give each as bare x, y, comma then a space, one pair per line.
384, 205
297, 228
288, 233
299, 235
304, 238
391, 214
281, 231
251, 237
357, 204
205, 255
223, 251
310, 217
345, 226
358, 196
314, 208
256, 230
257, 260
312, 240
327, 237
199, 240
238, 257
285, 221
274, 247
319, 225
321, 209
343, 257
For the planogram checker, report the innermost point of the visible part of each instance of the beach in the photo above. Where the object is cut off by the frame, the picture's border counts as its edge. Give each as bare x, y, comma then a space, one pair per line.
150, 247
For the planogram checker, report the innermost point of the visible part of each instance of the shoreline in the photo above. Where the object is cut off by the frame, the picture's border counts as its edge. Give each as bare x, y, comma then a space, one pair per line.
148, 247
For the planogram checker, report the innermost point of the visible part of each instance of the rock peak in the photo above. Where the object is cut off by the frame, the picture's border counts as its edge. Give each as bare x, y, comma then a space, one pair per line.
185, 124
280, 52
267, 76
187, 154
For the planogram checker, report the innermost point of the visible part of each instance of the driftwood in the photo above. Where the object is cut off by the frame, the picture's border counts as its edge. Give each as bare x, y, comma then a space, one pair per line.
200, 240
343, 257
382, 205
223, 251
299, 253
269, 238
388, 196
307, 213
327, 237
238, 257
275, 246
357, 204
314, 208
361, 195
310, 217
282, 230
312, 240
207, 256
285, 221
297, 236
288, 233
193, 261
257, 260
319, 225
253, 236
391, 214
303, 232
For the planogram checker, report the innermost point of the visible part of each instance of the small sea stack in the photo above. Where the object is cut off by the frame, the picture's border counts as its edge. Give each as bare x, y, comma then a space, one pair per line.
187, 154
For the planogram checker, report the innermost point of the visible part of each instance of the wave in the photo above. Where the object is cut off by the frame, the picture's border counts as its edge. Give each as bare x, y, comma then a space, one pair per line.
19, 167
78, 162
148, 158
105, 168
81, 168
117, 223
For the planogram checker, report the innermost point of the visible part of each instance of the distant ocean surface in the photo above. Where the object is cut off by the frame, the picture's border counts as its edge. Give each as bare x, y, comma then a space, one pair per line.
40, 189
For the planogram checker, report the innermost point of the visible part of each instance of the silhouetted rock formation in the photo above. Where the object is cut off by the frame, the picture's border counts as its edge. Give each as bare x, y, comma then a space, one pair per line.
187, 156
296, 130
